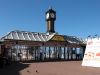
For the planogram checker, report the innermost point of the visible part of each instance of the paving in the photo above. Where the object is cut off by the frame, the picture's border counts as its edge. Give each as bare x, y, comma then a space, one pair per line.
49, 68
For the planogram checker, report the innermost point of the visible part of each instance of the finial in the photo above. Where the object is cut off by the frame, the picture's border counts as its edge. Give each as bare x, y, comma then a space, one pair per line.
50, 7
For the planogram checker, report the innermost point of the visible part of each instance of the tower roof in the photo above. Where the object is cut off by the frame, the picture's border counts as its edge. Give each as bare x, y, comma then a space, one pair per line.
51, 10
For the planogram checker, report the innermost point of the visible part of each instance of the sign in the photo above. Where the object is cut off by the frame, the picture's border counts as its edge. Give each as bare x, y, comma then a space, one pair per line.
58, 38
92, 53
52, 43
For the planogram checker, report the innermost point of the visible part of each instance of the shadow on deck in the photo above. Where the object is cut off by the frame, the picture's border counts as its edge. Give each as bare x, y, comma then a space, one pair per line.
13, 69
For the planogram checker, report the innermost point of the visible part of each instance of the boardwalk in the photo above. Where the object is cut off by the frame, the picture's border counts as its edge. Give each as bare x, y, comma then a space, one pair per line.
49, 68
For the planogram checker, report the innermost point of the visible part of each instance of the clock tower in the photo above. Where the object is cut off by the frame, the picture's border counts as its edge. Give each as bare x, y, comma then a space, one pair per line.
50, 18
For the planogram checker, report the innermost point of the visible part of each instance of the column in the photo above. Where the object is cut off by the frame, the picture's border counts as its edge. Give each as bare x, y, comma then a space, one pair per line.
35, 53
71, 53
59, 52
54, 53
68, 53
49, 53
83, 47
45, 53
81, 53
64, 53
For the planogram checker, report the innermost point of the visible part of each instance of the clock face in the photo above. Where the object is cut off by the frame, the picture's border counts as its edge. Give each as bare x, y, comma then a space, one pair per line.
47, 16
52, 15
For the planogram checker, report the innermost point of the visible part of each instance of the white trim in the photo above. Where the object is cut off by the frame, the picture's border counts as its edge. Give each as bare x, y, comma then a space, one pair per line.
38, 37
50, 36
17, 35
12, 35
33, 36
28, 36
23, 35
42, 37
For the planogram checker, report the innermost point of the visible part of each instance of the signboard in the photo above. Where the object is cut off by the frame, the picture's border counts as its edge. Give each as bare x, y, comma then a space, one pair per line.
52, 43
58, 38
92, 53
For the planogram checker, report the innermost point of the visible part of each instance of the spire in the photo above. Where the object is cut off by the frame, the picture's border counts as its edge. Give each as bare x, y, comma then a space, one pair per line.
50, 7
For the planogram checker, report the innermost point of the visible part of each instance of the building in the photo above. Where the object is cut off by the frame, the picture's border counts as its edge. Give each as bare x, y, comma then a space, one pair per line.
1, 45
25, 45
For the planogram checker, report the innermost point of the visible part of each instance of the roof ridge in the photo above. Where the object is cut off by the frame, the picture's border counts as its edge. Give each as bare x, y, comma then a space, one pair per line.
27, 31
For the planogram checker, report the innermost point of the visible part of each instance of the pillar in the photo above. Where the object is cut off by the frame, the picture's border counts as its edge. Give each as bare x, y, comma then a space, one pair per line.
64, 53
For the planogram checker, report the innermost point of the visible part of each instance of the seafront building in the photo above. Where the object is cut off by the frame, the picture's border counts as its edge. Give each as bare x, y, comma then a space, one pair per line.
25, 45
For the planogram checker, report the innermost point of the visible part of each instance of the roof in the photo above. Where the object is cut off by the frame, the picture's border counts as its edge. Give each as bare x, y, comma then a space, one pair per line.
73, 39
26, 35
35, 36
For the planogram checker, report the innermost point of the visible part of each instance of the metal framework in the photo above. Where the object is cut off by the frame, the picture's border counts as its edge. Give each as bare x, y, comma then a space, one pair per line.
24, 46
